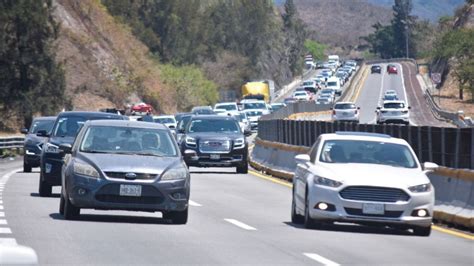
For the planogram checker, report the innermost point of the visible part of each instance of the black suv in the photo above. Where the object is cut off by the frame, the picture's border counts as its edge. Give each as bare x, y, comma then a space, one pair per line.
215, 141
64, 131
33, 144
376, 69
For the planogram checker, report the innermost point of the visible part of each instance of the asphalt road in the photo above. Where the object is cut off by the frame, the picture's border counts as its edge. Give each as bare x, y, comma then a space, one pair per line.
234, 219
408, 89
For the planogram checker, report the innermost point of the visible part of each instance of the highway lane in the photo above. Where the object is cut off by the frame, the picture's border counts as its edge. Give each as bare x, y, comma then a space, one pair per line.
235, 219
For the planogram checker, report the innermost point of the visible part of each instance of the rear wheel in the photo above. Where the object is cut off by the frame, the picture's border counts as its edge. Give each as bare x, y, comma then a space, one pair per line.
422, 231
44, 188
26, 167
243, 169
71, 212
61, 204
177, 217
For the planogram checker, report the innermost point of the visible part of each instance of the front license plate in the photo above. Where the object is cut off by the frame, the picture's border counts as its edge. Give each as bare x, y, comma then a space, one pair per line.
373, 208
215, 156
131, 190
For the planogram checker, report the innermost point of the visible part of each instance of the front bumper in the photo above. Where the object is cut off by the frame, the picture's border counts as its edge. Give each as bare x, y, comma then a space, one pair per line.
398, 213
104, 194
236, 157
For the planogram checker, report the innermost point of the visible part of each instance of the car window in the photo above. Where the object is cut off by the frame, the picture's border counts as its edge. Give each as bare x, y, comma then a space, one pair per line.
214, 125
68, 126
369, 152
227, 107
184, 122
128, 140
394, 105
332, 83
164, 120
257, 105
38, 125
314, 150
344, 106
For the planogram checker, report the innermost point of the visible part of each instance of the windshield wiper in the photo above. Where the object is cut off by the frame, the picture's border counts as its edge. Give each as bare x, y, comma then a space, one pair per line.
148, 154
87, 151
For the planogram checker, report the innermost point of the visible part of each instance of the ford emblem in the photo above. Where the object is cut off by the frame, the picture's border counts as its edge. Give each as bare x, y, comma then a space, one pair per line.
130, 175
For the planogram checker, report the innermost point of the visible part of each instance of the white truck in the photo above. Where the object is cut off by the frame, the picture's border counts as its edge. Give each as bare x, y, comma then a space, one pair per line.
334, 58
334, 83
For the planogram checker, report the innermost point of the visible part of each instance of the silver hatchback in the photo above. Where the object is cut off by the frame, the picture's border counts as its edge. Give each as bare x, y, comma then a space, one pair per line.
125, 165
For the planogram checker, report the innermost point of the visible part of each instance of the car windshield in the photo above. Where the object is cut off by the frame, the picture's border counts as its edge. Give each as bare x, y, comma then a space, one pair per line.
164, 120
227, 107
390, 93
68, 126
214, 125
254, 113
332, 83
390, 97
344, 106
38, 125
277, 106
300, 94
184, 122
308, 83
256, 105
203, 112
393, 105
370, 152
128, 140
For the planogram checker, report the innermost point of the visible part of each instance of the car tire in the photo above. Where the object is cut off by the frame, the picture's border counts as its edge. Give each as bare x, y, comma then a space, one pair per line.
243, 169
422, 231
295, 218
71, 212
177, 217
44, 188
26, 167
310, 223
61, 204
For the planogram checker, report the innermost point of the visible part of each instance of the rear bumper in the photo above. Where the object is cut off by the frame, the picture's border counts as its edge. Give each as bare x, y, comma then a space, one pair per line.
235, 158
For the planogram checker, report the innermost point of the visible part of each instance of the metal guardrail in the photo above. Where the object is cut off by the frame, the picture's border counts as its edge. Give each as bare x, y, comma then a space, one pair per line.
450, 147
11, 142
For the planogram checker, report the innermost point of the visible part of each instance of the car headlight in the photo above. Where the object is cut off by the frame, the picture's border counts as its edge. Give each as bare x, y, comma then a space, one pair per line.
420, 188
322, 181
175, 174
190, 141
51, 148
239, 143
85, 169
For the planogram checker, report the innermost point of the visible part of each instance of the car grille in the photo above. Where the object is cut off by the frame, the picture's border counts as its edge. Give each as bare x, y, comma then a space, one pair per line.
214, 146
379, 194
129, 200
123, 175
387, 214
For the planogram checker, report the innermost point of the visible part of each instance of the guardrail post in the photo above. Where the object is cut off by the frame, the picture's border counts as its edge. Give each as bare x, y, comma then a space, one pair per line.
472, 148
430, 145
420, 150
456, 154
443, 147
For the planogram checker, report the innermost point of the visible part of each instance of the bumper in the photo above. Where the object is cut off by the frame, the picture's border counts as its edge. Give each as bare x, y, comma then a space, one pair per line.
345, 118
232, 159
51, 166
394, 119
398, 213
104, 194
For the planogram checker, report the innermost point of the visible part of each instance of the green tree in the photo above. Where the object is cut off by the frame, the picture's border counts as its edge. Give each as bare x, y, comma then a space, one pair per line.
30, 79
296, 34
317, 50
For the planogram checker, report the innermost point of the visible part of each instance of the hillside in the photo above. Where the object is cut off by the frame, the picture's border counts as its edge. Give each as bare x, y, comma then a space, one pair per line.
340, 23
105, 64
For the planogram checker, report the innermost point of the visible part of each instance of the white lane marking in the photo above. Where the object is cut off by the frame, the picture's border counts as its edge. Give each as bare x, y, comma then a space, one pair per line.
321, 259
194, 204
5, 230
2, 214
374, 121
241, 225
1, 207
3, 221
1, 201
406, 95
8, 242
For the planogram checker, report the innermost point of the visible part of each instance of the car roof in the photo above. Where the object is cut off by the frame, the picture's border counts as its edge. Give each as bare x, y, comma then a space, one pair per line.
226, 103
44, 118
163, 116
362, 136
125, 123
394, 101
213, 117
390, 91
88, 114
344, 103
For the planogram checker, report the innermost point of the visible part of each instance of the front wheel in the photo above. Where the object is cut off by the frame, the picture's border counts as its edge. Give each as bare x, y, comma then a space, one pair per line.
422, 231
44, 188
177, 217
71, 212
26, 167
243, 169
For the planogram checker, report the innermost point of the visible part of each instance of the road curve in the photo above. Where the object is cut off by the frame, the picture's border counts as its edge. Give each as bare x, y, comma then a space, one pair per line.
234, 219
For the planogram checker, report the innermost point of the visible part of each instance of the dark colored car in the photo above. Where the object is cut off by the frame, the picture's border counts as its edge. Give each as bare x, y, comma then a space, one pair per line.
65, 129
125, 165
376, 69
215, 141
180, 116
202, 110
391, 69
33, 143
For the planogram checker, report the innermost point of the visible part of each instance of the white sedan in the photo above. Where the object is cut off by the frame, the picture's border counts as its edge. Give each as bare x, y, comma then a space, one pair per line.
345, 111
363, 178
301, 96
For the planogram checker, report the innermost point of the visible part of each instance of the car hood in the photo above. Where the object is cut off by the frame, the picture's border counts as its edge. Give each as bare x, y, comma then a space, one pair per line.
215, 136
32, 139
130, 163
351, 174
61, 140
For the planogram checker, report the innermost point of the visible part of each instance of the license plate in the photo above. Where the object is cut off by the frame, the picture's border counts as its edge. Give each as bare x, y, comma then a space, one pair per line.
373, 208
131, 190
215, 156
394, 113
345, 114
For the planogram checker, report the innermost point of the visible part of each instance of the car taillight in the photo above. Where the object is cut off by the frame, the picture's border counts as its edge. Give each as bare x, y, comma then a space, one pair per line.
334, 112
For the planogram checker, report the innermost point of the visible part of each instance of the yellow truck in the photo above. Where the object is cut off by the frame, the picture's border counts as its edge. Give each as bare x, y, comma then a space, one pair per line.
260, 90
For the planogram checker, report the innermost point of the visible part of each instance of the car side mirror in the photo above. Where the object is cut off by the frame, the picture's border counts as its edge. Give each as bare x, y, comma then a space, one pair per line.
42, 133
302, 158
429, 166
358, 108
24, 131
409, 107
66, 148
